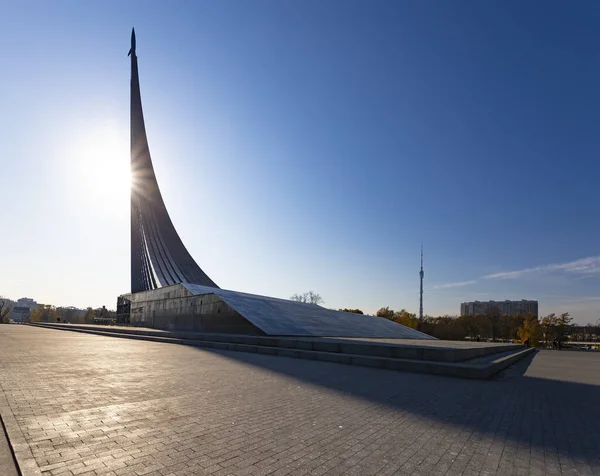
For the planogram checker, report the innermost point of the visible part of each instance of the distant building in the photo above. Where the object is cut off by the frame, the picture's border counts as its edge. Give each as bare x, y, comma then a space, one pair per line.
20, 313
22, 309
71, 314
27, 302
505, 307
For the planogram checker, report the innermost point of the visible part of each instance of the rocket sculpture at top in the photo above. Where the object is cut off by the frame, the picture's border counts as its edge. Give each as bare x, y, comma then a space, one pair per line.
158, 256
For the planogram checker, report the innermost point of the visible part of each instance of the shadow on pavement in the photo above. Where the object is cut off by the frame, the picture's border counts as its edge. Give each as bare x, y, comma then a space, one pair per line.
8, 467
517, 369
558, 417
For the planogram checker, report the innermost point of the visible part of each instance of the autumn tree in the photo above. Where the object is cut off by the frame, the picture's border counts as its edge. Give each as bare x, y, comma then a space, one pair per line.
471, 324
445, 328
548, 326
530, 330
5, 308
34, 314
514, 323
354, 311
385, 312
88, 318
563, 326
44, 313
406, 319
67, 314
494, 318
504, 326
309, 297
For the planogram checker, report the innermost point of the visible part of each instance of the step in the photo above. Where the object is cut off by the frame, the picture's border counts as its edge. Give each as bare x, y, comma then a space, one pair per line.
431, 350
481, 367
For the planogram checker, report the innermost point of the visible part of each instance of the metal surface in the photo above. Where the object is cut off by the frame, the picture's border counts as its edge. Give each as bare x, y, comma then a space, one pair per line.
158, 256
282, 317
421, 275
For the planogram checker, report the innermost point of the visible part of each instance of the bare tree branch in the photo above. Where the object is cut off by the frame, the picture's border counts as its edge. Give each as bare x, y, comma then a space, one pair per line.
309, 297
4, 311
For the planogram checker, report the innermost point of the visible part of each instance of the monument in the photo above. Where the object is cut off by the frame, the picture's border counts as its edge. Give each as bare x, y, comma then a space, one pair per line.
158, 256
170, 291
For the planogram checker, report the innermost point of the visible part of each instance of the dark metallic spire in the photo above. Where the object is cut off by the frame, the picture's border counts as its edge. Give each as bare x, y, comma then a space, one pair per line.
421, 275
132, 49
158, 256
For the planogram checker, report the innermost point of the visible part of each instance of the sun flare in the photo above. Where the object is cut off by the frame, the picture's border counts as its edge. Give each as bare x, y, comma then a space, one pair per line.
103, 170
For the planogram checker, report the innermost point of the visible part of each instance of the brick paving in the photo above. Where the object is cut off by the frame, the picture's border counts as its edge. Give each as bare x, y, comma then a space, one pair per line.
93, 405
7, 462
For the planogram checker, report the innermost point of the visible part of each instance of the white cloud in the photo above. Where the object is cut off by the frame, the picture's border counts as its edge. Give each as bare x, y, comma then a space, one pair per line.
455, 285
511, 274
587, 266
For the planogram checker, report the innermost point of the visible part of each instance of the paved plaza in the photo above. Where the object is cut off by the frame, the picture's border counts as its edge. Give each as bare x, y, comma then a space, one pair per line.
84, 404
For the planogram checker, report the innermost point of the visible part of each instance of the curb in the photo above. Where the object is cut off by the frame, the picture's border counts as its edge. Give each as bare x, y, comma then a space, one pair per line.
480, 371
9, 449
20, 449
398, 350
25, 462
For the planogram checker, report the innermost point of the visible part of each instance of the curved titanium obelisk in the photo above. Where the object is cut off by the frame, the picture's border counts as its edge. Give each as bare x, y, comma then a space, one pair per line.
158, 256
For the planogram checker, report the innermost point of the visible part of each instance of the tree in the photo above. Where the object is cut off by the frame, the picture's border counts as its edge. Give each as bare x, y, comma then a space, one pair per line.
514, 323
354, 311
563, 325
406, 319
89, 316
471, 324
5, 308
67, 314
492, 325
530, 331
505, 326
310, 297
44, 313
584, 333
445, 328
493, 317
548, 327
34, 314
385, 312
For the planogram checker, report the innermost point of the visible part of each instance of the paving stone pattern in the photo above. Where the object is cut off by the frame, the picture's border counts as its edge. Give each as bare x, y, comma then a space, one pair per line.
7, 463
93, 405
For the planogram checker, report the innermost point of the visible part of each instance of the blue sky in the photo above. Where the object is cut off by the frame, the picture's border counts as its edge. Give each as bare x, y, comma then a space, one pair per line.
310, 145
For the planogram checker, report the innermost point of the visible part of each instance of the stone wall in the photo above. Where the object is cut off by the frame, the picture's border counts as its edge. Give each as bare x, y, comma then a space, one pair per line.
175, 308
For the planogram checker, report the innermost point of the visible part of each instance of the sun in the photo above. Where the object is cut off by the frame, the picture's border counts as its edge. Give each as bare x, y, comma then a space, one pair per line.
103, 170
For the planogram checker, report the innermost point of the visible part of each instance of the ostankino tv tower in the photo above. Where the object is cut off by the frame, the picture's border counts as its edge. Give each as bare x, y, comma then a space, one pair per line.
421, 274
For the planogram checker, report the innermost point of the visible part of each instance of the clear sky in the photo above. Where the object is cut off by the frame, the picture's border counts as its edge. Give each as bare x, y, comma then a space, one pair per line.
310, 145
